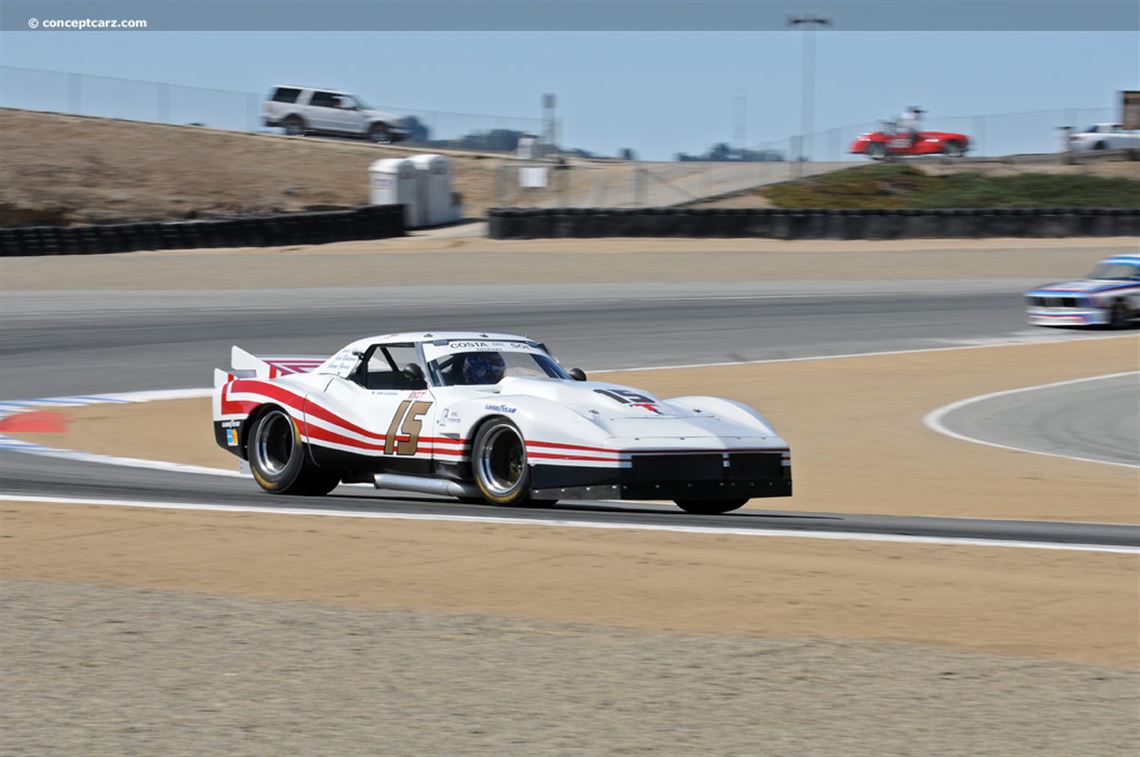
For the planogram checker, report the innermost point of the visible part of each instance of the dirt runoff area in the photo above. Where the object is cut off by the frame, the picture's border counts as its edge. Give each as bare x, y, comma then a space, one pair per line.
473, 259
96, 669
140, 631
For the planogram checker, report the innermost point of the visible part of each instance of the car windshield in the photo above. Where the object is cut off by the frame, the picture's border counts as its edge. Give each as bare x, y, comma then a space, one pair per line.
1116, 271
488, 367
355, 100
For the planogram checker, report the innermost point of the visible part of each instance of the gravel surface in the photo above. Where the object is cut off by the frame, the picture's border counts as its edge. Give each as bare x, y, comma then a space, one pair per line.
96, 670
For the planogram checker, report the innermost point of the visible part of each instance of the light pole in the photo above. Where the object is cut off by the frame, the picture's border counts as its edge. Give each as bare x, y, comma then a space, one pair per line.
809, 24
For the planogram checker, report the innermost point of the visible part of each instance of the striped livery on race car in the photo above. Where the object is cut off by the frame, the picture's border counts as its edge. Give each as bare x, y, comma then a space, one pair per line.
487, 417
1110, 296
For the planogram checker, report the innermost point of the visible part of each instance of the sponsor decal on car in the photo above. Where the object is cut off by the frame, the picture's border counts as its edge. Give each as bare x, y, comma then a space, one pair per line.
500, 408
433, 351
630, 397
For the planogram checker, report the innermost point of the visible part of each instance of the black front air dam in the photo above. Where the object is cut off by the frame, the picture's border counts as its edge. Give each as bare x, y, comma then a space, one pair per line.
669, 477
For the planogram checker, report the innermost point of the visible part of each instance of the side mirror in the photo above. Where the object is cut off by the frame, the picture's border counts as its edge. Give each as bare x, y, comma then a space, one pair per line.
577, 374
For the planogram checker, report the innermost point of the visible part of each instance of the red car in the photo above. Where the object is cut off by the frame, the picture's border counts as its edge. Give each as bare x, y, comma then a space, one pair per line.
877, 145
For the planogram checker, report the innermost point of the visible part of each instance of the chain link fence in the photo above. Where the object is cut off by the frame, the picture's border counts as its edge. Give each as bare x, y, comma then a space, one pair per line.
991, 135
86, 94
631, 184
572, 181
161, 102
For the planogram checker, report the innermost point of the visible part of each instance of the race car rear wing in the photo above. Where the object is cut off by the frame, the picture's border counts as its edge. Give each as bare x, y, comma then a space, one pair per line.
247, 365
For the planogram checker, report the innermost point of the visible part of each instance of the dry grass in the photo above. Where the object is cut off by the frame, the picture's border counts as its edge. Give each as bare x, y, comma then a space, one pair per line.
60, 169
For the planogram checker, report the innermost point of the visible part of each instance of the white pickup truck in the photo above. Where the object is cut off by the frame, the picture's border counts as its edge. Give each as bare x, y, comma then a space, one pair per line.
304, 110
1105, 137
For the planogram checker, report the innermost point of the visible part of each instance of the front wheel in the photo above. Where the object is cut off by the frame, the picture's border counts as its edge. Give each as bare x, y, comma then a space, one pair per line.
710, 506
953, 149
279, 461
294, 126
1119, 317
876, 151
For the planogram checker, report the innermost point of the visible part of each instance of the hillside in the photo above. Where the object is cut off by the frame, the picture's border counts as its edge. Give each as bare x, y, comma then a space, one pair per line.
60, 169
899, 185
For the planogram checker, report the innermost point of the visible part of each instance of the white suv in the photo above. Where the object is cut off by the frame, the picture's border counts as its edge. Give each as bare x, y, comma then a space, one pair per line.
304, 110
1105, 137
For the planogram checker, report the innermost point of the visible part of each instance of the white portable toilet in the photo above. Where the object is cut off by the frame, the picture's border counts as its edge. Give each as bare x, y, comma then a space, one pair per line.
433, 177
393, 181
527, 148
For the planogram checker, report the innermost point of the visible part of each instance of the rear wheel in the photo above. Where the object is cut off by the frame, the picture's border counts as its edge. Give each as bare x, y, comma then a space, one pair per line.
294, 126
712, 506
278, 459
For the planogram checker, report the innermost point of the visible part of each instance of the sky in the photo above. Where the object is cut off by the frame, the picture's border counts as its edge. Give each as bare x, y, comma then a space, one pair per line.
658, 93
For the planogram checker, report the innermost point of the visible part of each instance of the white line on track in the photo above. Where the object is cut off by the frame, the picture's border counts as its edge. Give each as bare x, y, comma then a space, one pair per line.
16, 445
763, 361
554, 523
934, 419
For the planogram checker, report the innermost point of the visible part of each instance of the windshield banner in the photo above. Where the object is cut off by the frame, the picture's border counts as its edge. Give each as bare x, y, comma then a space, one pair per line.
436, 351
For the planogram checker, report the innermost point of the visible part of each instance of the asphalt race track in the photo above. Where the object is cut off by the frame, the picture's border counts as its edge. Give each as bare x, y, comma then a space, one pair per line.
1096, 420
90, 342
63, 343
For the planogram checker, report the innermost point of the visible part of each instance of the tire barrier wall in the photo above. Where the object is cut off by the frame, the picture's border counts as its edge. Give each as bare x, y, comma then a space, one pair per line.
774, 223
366, 222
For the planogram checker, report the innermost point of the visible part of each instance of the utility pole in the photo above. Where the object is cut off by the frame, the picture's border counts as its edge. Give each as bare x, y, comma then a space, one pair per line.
740, 126
809, 24
549, 137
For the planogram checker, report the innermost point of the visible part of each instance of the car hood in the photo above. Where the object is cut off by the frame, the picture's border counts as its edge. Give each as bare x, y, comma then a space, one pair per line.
624, 411
379, 115
1079, 286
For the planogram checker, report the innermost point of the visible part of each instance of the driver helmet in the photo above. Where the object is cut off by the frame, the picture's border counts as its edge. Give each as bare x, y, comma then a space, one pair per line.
484, 368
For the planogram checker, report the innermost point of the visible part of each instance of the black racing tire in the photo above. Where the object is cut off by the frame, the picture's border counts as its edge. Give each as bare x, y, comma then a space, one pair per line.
499, 464
1101, 145
953, 149
294, 126
710, 506
279, 461
379, 134
1118, 316
876, 151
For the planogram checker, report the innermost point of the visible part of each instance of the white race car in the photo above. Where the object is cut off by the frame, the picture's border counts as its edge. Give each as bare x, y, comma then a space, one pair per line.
487, 417
1110, 296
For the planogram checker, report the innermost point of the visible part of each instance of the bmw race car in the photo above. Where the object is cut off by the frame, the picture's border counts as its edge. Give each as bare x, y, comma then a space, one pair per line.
488, 418
1110, 296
